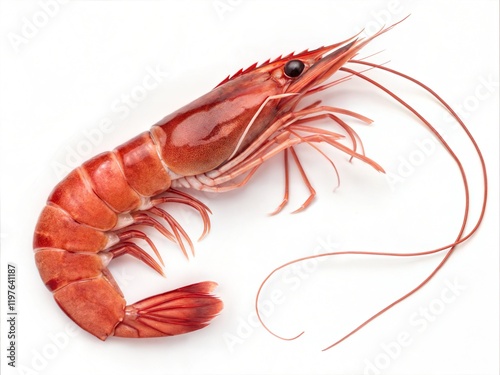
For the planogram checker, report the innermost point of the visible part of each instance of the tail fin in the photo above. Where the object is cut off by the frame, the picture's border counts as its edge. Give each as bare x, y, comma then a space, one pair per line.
172, 313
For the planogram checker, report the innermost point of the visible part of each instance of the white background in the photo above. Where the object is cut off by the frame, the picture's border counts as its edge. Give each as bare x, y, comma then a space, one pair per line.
70, 74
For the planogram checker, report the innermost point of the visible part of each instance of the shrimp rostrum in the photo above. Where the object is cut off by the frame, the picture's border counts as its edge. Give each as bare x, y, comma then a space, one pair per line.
215, 143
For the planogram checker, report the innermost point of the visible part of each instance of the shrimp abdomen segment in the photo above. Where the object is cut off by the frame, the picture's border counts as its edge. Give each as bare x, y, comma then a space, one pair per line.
57, 229
74, 190
142, 166
59, 268
104, 169
96, 305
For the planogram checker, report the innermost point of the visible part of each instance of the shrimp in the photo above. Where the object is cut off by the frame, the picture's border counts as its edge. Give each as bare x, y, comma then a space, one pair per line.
216, 143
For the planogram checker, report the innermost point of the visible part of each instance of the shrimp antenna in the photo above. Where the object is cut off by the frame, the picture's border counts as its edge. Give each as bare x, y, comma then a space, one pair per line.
449, 247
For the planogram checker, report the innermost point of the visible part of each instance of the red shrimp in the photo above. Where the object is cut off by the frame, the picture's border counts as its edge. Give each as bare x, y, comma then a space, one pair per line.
216, 143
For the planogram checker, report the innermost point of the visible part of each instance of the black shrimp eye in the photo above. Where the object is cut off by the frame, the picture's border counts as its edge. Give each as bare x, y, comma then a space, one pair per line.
294, 68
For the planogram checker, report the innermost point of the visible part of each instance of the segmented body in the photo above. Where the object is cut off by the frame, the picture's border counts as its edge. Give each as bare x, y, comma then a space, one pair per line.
215, 143
83, 225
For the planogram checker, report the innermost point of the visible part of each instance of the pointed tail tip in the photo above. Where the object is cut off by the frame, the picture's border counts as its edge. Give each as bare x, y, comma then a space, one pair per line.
179, 311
